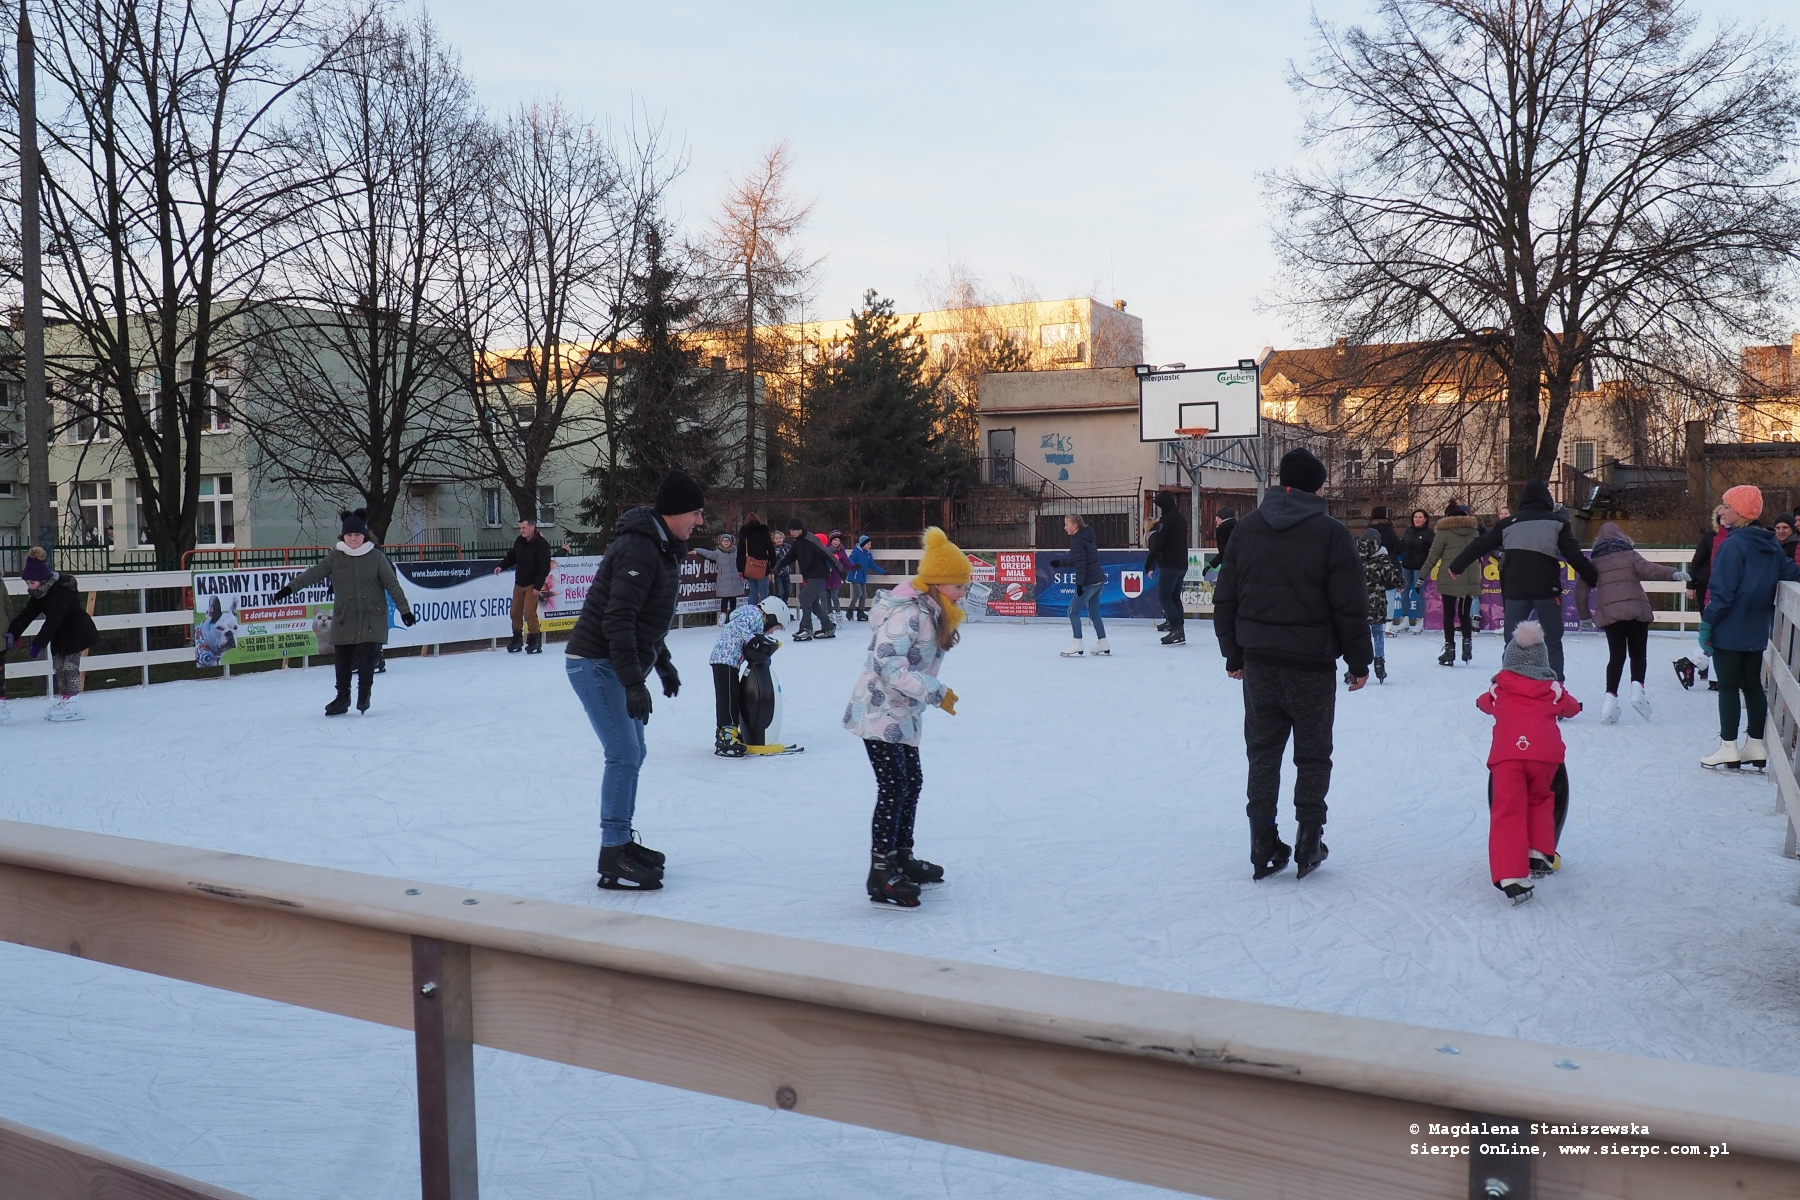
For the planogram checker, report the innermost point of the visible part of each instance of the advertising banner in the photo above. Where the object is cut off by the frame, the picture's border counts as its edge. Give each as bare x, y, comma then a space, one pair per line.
981, 586
698, 590
565, 591
1197, 588
235, 621
1015, 588
1493, 603
456, 600
1128, 591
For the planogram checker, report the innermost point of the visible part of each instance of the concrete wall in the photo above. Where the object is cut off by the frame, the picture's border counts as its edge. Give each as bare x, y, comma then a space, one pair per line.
1076, 428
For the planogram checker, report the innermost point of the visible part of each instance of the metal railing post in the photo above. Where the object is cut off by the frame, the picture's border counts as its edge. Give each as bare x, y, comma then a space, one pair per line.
444, 1039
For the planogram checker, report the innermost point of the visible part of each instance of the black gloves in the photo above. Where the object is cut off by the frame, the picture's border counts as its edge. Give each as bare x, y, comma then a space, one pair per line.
637, 702
283, 594
408, 619
671, 680
1056, 562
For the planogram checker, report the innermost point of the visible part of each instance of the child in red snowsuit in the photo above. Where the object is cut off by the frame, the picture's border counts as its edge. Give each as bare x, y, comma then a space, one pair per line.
1525, 702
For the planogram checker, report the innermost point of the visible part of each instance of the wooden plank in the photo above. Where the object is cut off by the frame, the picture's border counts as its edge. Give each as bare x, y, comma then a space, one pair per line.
444, 1044
35, 1165
105, 662
1781, 768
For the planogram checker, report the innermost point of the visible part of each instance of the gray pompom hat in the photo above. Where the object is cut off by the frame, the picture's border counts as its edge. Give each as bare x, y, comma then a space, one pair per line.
1526, 654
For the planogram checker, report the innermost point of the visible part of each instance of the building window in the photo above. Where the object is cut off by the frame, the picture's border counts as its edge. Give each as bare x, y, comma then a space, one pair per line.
547, 504
6, 395
218, 403
218, 525
1384, 465
1062, 342
1584, 456
1353, 466
93, 503
8, 490
87, 420
1448, 464
491, 513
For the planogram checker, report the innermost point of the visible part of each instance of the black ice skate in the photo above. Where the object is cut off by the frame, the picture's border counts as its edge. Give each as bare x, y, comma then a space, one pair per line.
622, 870
1468, 646
1162, 627
888, 884
1517, 890
1684, 671
1448, 657
339, 706
1310, 849
728, 744
1268, 853
517, 643
1380, 670
918, 870
362, 699
1172, 638
1541, 866
650, 858
534, 644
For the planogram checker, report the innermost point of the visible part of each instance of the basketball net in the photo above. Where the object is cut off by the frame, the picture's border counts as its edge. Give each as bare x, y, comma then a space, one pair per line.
1191, 448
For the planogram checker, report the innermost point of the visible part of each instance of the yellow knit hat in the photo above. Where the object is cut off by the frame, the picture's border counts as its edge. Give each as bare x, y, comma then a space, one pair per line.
942, 562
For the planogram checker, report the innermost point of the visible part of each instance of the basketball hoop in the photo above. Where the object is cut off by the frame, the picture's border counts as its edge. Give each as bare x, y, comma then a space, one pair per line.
1190, 448
1197, 431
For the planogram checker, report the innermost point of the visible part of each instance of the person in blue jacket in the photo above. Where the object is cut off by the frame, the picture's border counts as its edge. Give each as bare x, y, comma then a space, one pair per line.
862, 561
1740, 608
1084, 561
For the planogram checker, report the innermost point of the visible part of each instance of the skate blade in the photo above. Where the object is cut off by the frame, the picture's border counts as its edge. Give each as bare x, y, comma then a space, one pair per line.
895, 901
761, 751
613, 883
1523, 898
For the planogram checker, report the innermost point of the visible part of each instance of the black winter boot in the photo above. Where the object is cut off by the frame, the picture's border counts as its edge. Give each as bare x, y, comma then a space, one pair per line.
1268, 853
621, 870
917, 869
888, 884
1309, 848
534, 644
517, 643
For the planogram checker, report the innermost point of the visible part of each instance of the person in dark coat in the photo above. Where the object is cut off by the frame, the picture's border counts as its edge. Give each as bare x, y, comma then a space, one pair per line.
1785, 534
68, 632
1083, 561
755, 543
1227, 521
530, 560
1390, 540
619, 638
1537, 541
1289, 603
1415, 546
362, 582
816, 567
1740, 609
1167, 561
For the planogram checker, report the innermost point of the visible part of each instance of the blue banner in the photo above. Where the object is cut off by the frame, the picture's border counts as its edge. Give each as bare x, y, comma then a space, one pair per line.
1129, 592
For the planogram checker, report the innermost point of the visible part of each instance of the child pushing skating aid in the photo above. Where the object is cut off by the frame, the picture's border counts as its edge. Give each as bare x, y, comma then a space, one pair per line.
1524, 759
743, 648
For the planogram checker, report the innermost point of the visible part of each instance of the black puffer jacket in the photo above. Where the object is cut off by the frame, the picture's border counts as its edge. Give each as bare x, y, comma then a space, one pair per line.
632, 600
1083, 558
1415, 546
754, 542
1168, 541
1537, 541
67, 627
1222, 534
530, 561
809, 559
1291, 592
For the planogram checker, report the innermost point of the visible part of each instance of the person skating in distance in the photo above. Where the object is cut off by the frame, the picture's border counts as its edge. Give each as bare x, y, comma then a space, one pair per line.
530, 560
618, 639
1621, 609
68, 632
1166, 559
1383, 575
1526, 701
1083, 562
362, 580
912, 627
1289, 603
862, 561
816, 567
1460, 593
1740, 608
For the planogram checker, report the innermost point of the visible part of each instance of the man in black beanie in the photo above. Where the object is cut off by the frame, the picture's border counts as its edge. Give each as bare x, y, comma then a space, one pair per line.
618, 640
1289, 603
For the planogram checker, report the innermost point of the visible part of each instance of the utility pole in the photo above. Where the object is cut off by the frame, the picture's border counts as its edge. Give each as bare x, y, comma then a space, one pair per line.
37, 405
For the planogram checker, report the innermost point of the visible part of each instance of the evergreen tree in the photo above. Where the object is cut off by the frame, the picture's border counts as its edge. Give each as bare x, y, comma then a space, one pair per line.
663, 396
875, 419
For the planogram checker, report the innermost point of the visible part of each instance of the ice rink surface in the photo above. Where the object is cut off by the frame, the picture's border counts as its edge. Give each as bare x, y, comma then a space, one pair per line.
1089, 812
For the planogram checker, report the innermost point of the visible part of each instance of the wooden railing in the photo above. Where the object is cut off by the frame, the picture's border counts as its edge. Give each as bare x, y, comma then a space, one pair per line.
143, 658
1781, 664
1219, 1097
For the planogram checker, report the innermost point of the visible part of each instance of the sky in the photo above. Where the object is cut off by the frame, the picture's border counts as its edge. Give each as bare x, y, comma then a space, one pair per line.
1052, 149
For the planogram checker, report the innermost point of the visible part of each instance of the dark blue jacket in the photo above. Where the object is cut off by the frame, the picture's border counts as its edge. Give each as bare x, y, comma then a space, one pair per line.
1083, 559
861, 563
1740, 604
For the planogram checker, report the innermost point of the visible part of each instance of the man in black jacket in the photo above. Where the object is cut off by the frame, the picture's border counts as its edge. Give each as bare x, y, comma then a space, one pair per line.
530, 560
1167, 560
815, 566
1537, 541
618, 640
1227, 522
1289, 602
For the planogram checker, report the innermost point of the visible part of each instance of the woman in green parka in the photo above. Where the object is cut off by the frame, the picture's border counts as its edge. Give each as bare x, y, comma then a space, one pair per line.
362, 579
1460, 592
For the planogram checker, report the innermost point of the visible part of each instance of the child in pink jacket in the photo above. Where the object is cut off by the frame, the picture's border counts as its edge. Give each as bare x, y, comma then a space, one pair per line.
1525, 701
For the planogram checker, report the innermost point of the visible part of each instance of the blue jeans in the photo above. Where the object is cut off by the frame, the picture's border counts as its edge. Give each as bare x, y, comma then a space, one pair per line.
1089, 598
1412, 596
756, 590
597, 685
1378, 634
1549, 614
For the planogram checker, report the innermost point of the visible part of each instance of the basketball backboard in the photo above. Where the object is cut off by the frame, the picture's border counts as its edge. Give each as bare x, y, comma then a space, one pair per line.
1225, 401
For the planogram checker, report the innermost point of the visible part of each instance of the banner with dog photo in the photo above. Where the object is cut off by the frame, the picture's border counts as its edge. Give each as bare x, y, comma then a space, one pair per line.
236, 622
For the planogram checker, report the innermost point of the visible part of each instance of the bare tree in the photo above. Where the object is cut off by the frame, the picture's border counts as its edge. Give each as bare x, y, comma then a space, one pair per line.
763, 270
162, 194
545, 294
352, 384
1542, 191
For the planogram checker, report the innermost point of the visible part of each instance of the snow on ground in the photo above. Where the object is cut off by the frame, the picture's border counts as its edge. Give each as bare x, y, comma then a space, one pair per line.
1090, 813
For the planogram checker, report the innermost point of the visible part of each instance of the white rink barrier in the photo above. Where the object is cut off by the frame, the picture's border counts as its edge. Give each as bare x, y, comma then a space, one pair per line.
1181, 1090
1781, 664
142, 658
